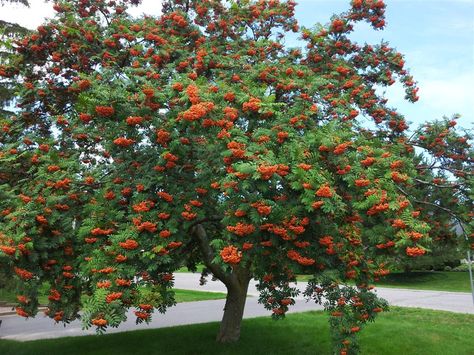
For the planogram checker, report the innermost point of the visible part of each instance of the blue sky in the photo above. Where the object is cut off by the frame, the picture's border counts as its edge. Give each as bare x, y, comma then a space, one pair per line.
436, 37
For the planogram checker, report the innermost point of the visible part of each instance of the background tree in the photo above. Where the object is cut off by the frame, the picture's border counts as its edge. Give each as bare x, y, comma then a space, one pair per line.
444, 192
23, 2
146, 144
8, 32
444, 180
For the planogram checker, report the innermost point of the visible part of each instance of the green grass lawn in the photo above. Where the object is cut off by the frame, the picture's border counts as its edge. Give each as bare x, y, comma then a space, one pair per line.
408, 331
180, 296
435, 280
199, 269
192, 296
9, 296
424, 280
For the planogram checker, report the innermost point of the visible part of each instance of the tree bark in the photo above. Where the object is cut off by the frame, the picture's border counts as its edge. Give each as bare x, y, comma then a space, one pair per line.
229, 331
236, 282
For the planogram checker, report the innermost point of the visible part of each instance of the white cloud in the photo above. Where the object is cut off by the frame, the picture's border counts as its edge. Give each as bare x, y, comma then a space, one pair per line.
33, 16
439, 97
147, 7
30, 17
453, 95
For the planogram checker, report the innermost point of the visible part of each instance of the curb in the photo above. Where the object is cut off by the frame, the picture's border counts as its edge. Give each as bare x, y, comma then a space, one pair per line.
13, 312
3, 314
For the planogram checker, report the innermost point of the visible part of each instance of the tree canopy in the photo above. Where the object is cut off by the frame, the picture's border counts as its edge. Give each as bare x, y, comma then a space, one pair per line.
145, 144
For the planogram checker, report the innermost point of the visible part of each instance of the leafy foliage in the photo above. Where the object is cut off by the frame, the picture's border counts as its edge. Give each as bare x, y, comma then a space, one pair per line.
146, 144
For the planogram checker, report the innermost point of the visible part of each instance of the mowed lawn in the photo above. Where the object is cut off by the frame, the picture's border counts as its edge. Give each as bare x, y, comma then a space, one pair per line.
429, 280
9, 296
407, 331
454, 281
192, 296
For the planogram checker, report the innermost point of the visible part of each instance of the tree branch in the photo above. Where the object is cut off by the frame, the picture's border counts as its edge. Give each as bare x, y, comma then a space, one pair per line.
208, 254
207, 219
105, 16
447, 168
447, 210
436, 185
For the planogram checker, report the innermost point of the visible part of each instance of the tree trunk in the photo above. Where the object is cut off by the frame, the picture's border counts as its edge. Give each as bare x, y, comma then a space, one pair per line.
237, 283
229, 331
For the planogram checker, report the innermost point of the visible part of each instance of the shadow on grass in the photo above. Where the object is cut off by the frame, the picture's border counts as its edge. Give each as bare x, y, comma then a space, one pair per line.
259, 336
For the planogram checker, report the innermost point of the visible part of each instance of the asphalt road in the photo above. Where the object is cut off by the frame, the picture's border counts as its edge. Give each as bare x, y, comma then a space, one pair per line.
460, 302
14, 327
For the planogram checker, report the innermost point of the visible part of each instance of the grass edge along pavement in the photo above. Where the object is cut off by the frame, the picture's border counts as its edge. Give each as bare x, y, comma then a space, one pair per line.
193, 296
449, 281
180, 296
408, 331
